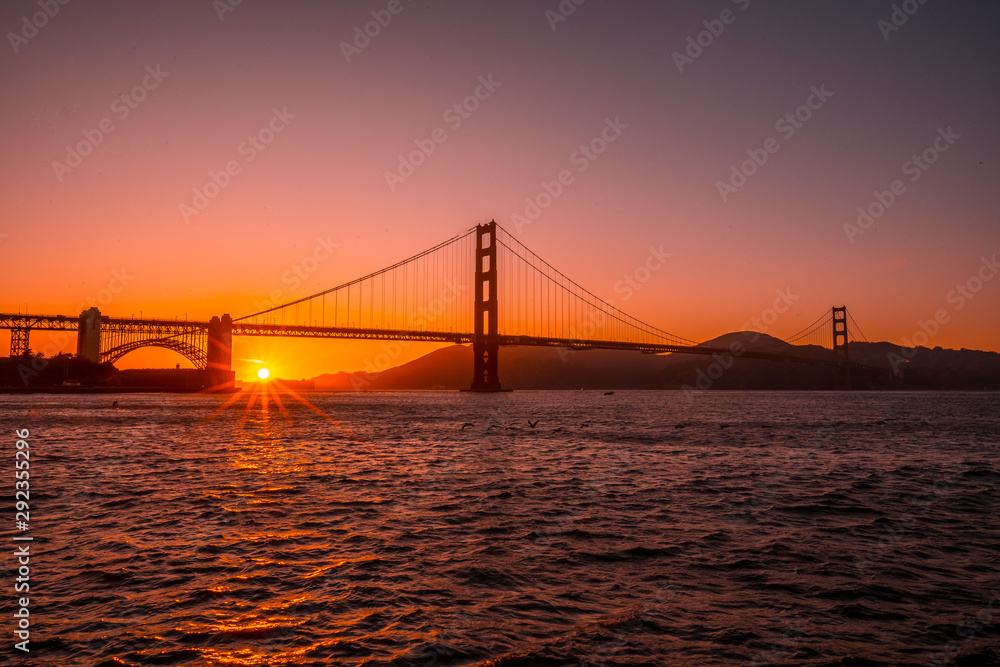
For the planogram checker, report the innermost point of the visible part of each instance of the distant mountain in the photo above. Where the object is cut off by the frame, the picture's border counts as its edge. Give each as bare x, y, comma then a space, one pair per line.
447, 368
554, 368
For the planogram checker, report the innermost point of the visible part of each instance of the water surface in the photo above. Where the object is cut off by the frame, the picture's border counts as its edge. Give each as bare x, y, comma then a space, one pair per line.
639, 528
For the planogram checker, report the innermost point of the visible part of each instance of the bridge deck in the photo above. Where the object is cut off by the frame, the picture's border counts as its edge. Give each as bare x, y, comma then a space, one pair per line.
171, 328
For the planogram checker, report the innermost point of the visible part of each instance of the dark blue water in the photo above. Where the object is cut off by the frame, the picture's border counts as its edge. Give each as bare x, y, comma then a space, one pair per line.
640, 528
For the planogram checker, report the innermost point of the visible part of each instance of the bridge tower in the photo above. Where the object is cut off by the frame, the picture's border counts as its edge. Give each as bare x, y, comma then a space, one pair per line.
842, 369
88, 340
485, 348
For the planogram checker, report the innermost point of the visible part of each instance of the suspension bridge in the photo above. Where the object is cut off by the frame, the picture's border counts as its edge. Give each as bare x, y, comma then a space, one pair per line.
482, 287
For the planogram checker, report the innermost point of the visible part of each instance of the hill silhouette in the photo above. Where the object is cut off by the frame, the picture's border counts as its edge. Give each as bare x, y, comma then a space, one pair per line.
556, 368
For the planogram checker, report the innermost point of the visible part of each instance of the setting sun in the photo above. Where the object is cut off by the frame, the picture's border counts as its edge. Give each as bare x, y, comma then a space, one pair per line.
263, 373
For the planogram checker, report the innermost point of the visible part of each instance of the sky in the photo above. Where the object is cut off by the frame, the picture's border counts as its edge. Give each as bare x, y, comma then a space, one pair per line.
845, 153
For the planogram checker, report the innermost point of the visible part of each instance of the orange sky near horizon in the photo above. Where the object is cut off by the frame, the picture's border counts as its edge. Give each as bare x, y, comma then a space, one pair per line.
308, 135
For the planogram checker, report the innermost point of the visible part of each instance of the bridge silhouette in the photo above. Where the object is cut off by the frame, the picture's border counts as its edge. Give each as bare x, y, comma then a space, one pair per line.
482, 287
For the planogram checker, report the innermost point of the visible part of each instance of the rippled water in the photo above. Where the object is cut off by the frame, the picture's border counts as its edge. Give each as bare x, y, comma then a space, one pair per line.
640, 528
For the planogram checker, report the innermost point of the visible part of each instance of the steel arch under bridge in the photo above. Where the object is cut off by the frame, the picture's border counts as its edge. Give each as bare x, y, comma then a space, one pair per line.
189, 339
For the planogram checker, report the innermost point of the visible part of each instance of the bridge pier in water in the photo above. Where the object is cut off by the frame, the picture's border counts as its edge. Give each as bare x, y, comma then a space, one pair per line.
88, 339
219, 355
485, 348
